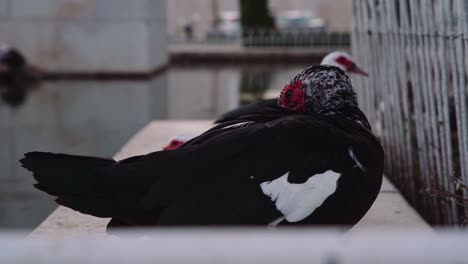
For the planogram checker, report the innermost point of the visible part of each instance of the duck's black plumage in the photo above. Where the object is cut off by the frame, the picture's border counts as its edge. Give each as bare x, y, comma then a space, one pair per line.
230, 175
247, 109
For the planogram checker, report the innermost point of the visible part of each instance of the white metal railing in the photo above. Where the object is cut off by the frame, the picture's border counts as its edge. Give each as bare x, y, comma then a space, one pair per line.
271, 38
416, 95
295, 38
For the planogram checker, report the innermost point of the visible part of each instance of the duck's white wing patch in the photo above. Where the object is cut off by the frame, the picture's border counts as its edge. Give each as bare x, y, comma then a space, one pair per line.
297, 201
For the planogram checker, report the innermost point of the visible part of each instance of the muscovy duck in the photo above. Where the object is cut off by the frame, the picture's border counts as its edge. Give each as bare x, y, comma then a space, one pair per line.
311, 160
339, 59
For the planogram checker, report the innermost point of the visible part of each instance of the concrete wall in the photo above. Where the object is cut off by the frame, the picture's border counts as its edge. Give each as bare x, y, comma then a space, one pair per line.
338, 14
202, 93
87, 35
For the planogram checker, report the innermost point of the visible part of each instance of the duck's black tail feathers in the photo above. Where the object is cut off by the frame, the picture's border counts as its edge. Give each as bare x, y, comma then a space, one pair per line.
80, 183
59, 174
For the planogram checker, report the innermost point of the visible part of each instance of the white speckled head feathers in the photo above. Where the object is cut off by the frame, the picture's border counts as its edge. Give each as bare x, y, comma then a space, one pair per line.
344, 61
332, 59
320, 89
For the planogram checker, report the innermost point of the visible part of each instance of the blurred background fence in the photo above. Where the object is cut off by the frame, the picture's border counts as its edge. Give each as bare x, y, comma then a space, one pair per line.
262, 37
294, 38
416, 97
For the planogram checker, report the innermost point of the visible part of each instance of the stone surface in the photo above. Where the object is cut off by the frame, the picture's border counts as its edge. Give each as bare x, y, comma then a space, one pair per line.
387, 186
52, 9
87, 36
123, 9
36, 39
157, 46
157, 134
64, 222
4, 7
160, 8
120, 47
389, 211
103, 10
217, 92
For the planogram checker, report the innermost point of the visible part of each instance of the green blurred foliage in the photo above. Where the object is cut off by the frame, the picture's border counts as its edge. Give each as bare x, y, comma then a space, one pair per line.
255, 14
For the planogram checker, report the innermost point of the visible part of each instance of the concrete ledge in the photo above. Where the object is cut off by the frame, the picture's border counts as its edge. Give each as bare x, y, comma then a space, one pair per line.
389, 211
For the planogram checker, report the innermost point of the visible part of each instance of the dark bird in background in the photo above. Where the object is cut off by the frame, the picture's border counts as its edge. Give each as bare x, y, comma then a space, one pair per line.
311, 160
17, 76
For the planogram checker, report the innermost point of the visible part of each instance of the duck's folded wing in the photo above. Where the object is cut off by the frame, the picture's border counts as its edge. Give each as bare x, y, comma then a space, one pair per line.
253, 154
246, 110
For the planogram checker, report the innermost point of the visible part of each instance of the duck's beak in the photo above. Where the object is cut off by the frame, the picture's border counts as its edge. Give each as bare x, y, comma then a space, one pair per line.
357, 70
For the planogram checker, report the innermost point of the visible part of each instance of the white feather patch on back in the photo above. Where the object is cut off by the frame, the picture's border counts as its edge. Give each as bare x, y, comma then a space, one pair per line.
353, 157
238, 125
297, 201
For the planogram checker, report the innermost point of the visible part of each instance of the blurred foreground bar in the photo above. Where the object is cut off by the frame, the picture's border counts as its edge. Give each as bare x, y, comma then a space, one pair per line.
242, 246
390, 211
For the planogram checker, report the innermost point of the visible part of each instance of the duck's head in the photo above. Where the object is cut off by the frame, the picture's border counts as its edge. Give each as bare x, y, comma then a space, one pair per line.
319, 89
344, 61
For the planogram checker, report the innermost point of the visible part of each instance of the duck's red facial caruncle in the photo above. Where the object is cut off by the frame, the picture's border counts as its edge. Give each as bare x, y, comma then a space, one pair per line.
349, 66
346, 63
293, 97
